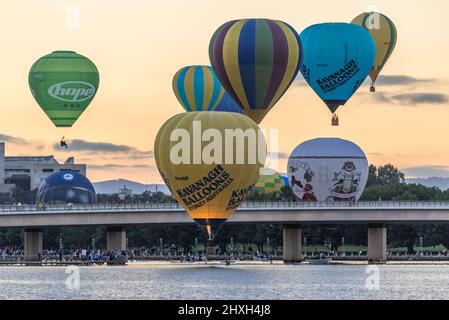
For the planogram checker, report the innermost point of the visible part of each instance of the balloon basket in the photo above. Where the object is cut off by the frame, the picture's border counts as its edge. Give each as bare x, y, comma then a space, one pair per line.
334, 121
372, 88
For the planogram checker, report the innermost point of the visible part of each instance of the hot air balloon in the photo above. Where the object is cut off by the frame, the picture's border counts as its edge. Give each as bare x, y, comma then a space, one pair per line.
197, 88
384, 34
256, 60
337, 59
63, 83
269, 182
327, 169
209, 173
68, 187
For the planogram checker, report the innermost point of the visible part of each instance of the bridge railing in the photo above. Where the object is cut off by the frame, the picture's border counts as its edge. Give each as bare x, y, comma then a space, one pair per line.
244, 205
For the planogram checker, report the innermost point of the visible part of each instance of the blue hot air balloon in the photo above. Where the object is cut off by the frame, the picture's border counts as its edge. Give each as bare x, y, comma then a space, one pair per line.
64, 186
227, 104
337, 59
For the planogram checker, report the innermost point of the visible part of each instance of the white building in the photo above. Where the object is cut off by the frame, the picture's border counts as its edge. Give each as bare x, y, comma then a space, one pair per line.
29, 172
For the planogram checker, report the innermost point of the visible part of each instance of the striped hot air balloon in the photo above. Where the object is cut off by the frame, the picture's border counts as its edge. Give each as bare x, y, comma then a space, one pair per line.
256, 60
384, 34
197, 88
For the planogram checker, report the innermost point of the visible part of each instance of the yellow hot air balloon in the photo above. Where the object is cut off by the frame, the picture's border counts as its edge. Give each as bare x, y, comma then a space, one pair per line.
384, 35
210, 161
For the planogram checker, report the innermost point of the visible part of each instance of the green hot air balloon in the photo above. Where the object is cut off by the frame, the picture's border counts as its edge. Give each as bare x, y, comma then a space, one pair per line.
63, 84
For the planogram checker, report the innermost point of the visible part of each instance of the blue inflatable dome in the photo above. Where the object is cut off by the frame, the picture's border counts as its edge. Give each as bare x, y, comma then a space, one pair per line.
65, 186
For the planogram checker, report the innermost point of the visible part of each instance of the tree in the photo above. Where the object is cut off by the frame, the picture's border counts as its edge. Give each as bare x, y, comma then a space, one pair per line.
389, 174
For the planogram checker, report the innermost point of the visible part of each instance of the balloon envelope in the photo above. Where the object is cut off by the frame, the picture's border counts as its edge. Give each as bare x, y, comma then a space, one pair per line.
269, 181
197, 88
327, 169
64, 186
337, 59
384, 34
63, 83
256, 60
198, 172
227, 104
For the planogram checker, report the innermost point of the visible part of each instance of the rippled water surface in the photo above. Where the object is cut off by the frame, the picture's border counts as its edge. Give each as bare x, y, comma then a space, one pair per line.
171, 281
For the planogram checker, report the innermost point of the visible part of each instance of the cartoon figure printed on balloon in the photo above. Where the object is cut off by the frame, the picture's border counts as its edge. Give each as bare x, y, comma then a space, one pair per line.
346, 183
306, 189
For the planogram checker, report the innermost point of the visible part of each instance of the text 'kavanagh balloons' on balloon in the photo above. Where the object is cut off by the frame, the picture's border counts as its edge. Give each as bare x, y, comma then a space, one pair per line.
327, 169
256, 60
63, 84
66, 187
227, 104
269, 182
337, 59
384, 34
210, 161
197, 88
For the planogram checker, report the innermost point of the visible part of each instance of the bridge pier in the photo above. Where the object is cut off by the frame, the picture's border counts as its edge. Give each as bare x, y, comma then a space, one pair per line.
292, 243
116, 239
32, 243
377, 243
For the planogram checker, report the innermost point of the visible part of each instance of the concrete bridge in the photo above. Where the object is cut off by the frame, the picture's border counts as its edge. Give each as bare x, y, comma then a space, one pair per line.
376, 215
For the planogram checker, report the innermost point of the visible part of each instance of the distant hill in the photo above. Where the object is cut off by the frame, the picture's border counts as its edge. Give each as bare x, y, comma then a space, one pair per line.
439, 182
113, 186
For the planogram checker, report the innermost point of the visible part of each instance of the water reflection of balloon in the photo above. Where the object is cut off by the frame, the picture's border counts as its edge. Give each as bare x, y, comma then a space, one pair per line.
384, 34
256, 60
327, 169
337, 59
207, 183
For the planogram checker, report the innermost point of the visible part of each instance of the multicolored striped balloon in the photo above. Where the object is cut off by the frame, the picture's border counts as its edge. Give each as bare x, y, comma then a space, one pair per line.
384, 34
197, 88
256, 61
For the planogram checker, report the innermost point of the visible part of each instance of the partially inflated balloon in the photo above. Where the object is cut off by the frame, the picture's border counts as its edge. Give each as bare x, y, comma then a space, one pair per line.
384, 34
256, 60
269, 182
197, 88
337, 59
327, 169
227, 104
63, 84
209, 173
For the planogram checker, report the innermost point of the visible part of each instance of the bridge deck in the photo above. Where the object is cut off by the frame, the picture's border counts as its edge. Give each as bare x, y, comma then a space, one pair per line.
250, 212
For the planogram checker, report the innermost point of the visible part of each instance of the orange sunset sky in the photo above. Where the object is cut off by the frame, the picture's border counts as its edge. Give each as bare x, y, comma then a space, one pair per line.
139, 45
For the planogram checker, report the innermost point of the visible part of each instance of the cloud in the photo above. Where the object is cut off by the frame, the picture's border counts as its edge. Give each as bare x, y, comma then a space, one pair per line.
114, 166
105, 147
384, 80
426, 172
21, 141
412, 99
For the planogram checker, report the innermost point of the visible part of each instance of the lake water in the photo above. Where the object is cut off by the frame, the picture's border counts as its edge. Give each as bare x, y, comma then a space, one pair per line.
264, 281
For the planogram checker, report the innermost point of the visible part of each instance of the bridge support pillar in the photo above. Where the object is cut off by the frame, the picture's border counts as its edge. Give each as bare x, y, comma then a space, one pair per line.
32, 244
377, 244
292, 243
116, 239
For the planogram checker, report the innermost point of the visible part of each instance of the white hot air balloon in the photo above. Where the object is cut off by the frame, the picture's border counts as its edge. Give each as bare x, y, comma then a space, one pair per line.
327, 169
